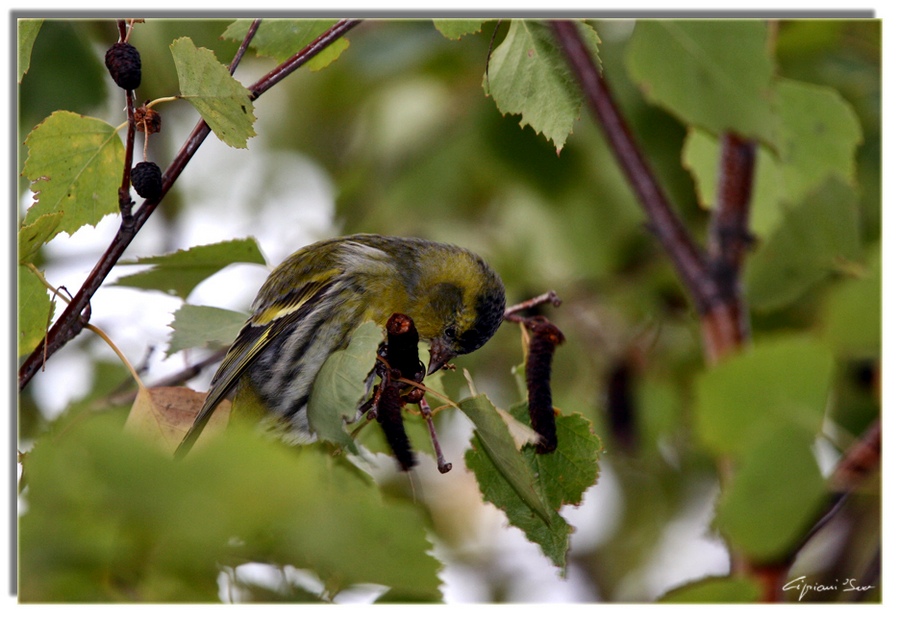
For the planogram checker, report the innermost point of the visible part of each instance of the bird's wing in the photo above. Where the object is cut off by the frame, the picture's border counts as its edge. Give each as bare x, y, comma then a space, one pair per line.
257, 333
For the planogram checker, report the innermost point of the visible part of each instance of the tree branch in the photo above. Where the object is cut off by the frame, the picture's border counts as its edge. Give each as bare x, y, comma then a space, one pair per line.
687, 257
70, 323
712, 279
726, 327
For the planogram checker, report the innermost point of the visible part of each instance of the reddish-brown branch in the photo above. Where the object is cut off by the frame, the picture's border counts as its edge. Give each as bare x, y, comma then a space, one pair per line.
712, 278
244, 45
861, 460
729, 237
70, 322
726, 326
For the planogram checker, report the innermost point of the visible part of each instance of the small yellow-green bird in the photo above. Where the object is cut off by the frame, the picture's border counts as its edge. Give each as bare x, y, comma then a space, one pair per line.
310, 305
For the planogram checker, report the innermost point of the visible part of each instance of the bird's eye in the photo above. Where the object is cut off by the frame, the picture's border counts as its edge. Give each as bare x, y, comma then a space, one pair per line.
450, 333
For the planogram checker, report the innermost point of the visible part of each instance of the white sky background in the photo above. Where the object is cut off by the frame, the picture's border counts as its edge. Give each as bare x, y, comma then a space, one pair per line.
217, 212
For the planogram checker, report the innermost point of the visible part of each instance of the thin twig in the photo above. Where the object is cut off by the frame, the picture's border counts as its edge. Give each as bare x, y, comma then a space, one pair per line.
100, 333
511, 313
127, 395
72, 319
251, 32
442, 465
859, 461
125, 202
302, 57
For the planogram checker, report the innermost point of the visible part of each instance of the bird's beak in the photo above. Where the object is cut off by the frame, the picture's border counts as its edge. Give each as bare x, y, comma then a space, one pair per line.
441, 353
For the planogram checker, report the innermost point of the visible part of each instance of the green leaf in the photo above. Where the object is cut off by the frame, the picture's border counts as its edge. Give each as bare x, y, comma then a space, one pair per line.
852, 312
282, 38
27, 29
180, 272
700, 157
222, 101
551, 535
197, 326
716, 590
112, 518
818, 237
528, 487
818, 137
564, 475
778, 382
493, 435
528, 75
328, 55
339, 386
458, 28
32, 237
775, 496
712, 74
75, 166
35, 310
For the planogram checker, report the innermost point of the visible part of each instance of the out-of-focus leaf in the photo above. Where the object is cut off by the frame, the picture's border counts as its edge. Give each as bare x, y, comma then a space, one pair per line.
458, 28
35, 310
32, 237
222, 101
282, 38
179, 272
775, 495
197, 326
778, 382
112, 518
340, 386
716, 590
819, 134
712, 74
75, 166
700, 156
27, 29
817, 237
528, 75
852, 313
